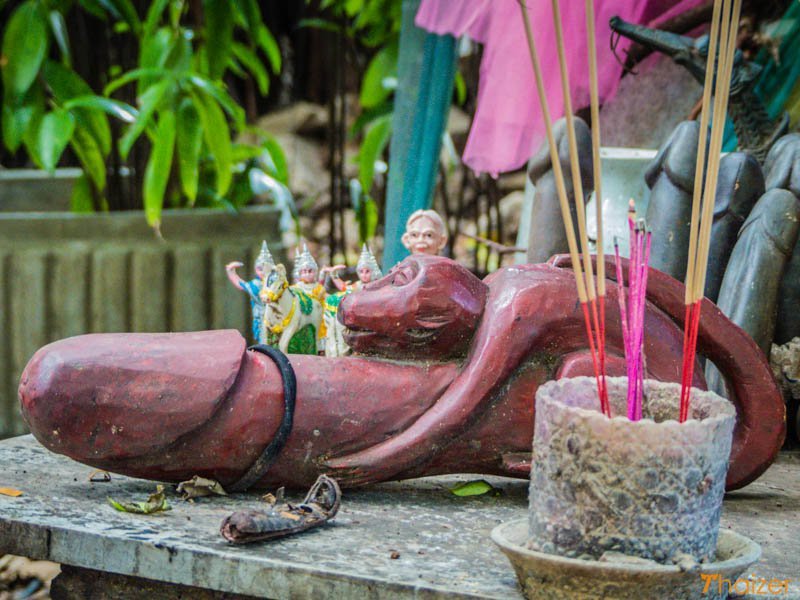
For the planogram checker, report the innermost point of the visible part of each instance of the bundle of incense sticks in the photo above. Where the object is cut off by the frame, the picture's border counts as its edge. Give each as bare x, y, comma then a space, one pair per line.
721, 50
632, 309
592, 298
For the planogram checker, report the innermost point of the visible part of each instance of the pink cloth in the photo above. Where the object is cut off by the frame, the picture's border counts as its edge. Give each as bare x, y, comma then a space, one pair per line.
508, 125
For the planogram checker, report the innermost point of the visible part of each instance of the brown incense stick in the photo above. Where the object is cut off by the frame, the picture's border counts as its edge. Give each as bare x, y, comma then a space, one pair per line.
594, 104
700, 171
728, 37
697, 267
577, 184
701, 150
584, 285
558, 174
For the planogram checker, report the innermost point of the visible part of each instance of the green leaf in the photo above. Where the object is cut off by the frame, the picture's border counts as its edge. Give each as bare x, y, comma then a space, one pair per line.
478, 487
367, 217
31, 139
253, 64
55, 132
460, 88
24, 48
125, 11
219, 35
245, 152
148, 104
248, 15
115, 108
17, 119
217, 137
131, 76
266, 41
66, 85
155, 503
219, 94
82, 199
156, 49
280, 168
369, 115
382, 66
156, 174
235, 68
319, 24
353, 7
189, 135
91, 158
371, 150
154, 16
59, 28
93, 7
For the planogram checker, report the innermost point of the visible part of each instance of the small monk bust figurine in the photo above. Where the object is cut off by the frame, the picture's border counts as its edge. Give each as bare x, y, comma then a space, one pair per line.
425, 233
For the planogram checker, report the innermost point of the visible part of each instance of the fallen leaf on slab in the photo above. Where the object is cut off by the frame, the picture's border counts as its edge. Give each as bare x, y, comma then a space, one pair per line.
99, 476
478, 487
155, 503
10, 492
197, 487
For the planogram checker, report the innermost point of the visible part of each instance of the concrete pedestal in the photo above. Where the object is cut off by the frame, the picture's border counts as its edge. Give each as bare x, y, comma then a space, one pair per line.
404, 540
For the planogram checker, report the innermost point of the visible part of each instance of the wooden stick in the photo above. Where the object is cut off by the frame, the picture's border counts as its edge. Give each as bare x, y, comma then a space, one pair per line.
720, 113
594, 104
558, 174
575, 168
700, 163
577, 185
696, 282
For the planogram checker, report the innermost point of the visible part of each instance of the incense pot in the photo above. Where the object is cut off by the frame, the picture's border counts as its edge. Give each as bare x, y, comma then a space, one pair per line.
448, 387
651, 488
623, 510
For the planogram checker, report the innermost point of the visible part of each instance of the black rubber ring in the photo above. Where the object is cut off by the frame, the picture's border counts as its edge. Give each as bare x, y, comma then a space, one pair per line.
259, 468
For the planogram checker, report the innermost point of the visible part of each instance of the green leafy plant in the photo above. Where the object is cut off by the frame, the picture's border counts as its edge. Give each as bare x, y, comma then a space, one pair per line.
46, 105
183, 114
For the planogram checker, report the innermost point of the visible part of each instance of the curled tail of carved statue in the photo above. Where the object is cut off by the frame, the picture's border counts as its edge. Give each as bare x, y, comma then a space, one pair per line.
760, 424
532, 314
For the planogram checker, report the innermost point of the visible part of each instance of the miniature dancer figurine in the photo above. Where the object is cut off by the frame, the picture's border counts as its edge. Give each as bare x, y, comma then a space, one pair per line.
305, 275
425, 233
264, 263
368, 271
306, 280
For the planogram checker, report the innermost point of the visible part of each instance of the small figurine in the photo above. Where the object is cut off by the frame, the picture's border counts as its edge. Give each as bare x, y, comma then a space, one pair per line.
264, 263
305, 275
425, 233
291, 316
306, 280
368, 270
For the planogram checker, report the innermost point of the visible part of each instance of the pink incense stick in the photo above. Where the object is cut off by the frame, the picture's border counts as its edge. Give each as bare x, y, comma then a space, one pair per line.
633, 295
647, 237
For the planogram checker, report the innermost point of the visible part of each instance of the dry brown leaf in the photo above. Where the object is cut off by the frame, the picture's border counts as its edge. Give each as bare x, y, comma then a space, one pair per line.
198, 487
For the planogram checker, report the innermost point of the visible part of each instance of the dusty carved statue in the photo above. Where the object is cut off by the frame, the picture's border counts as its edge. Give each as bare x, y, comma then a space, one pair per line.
443, 381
